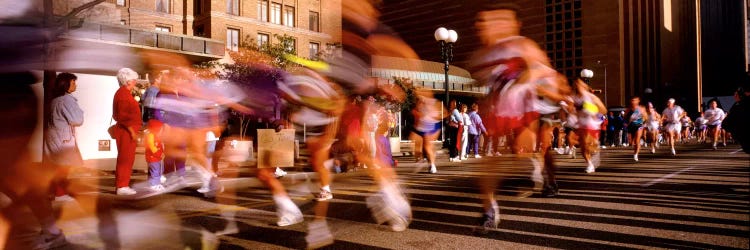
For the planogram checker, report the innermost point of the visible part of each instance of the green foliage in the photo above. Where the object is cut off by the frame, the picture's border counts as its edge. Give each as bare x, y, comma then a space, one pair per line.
410, 94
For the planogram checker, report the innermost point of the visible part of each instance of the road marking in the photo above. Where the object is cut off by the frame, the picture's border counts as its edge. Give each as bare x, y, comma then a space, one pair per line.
739, 150
666, 177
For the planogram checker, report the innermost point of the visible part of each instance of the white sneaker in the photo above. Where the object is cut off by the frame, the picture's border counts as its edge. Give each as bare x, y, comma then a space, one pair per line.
653, 151
157, 188
288, 218
477, 156
635, 158
318, 235
465, 157
126, 191
64, 198
433, 169
163, 179
673, 152
279, 173
498, 154
590, 168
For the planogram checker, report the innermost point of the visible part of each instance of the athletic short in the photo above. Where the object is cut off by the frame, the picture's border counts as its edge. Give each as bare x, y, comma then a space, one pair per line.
506, 125
701, 128
634, 128
433, 129
714, 126
674, 127
550, 119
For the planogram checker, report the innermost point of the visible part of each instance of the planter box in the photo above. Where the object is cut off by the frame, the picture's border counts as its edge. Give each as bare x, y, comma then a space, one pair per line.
238, 151
395, 144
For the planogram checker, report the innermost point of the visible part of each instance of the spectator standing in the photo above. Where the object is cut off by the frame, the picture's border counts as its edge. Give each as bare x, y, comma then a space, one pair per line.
154, 154
60, 144
476, 130
464, 132
127, 113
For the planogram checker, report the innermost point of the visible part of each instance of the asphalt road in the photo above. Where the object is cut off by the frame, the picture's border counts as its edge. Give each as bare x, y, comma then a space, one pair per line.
696, 200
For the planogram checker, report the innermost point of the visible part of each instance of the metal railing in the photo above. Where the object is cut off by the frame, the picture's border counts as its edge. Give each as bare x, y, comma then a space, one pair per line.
128, 35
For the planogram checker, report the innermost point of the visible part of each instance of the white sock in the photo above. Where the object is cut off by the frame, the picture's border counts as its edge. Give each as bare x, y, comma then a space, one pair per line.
283, 202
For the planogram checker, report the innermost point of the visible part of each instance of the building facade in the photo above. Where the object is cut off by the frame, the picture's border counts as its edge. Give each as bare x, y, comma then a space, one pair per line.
655, 49
314, 25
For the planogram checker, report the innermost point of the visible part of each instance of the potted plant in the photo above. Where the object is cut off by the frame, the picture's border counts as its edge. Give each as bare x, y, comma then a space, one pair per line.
396, 108
254, 69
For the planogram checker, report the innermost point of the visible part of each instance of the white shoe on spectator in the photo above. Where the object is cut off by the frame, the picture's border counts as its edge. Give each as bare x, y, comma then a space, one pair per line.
163, 179
157, 188
126, 191
64, 198
279, 173
478, 156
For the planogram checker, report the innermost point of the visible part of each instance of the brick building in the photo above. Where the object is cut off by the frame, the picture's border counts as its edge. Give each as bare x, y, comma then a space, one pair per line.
315, 25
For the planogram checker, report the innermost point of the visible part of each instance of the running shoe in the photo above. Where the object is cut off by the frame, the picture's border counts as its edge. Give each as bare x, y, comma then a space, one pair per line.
318, 235
673, 152
477, 156
590, 168
635, 158
433, 169
489, 221
550, 190
288, 218
323, 195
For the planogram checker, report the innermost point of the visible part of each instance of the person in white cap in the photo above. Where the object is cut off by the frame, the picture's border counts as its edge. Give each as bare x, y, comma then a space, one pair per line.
671, 120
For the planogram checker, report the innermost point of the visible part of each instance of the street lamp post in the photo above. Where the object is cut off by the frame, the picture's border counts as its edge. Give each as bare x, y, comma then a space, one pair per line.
446, 38
605, 81
587, 74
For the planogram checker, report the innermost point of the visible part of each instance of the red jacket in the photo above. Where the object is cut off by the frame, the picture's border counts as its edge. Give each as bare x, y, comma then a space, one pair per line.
125, 109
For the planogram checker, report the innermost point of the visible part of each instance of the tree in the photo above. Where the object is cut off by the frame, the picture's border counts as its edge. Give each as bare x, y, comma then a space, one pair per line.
255, 68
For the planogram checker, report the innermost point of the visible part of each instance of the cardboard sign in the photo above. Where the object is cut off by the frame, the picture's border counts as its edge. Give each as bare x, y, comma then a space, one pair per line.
275, 149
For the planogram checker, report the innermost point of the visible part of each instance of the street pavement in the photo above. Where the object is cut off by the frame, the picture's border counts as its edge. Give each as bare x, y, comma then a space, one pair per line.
696, 200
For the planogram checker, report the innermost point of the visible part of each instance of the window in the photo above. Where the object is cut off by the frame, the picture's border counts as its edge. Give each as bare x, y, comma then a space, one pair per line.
263, 10
314, 50
289, 16
276, 13
120, 2
290, 46
198, 7
199, 30
161, 28
233, 39
163, 6
262, 40
233, 7
314, 21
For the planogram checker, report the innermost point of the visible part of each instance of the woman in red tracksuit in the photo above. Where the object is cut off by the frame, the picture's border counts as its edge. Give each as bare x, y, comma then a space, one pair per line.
127, 113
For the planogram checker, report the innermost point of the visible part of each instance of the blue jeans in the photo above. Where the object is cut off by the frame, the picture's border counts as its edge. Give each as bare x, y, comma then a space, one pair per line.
154, 172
